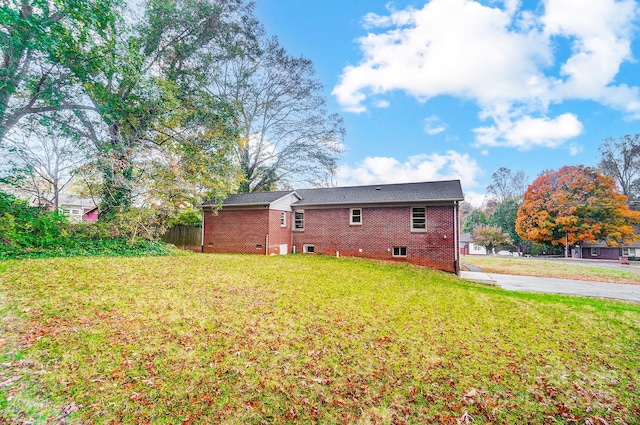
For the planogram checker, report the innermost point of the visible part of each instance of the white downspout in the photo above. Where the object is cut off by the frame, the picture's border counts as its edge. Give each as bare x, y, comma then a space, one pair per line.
456, 234
266, 252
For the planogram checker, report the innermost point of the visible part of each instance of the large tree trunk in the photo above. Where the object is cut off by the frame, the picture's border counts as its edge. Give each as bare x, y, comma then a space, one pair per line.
116, 166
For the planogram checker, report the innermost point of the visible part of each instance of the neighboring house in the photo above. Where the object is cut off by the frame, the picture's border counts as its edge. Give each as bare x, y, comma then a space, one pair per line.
600, 251
76, 208
467, 247
412, 222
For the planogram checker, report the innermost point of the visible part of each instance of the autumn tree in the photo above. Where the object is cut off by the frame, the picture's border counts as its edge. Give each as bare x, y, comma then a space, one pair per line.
620, 159
576, 204
288, 136
507, 184
476, 218
490, 237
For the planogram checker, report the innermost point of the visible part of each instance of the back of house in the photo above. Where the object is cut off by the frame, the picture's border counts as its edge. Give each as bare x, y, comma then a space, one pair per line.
412, 222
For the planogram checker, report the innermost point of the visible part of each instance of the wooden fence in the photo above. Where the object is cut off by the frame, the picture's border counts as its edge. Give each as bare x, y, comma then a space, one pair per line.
184, 237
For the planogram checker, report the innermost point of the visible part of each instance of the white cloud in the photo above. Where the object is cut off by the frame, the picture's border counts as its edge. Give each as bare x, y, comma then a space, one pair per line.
574, 149
502, 57
382, 104
417, 168
527, 132
474, 198
433, 125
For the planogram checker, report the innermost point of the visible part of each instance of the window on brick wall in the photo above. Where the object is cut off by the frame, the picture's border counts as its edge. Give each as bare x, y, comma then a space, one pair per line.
399, 251
298, 220
283, 219
308, 248
418, 219
355, 216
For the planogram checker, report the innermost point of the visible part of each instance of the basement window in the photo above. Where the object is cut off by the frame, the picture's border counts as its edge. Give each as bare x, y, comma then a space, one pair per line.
399, 251
308, 249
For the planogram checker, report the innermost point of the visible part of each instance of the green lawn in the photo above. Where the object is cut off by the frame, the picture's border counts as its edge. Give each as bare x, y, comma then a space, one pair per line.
251, 339
551, 268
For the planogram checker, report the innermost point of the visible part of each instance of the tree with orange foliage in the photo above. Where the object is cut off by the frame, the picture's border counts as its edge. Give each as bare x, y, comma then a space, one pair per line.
574, 205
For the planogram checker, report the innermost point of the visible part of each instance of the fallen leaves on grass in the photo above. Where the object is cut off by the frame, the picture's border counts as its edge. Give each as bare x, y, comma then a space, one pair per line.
310, 339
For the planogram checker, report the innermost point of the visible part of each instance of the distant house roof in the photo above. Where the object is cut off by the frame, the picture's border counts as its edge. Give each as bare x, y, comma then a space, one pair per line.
354, 195
604, 245
382, 193
251, 199
466, 237
65, 199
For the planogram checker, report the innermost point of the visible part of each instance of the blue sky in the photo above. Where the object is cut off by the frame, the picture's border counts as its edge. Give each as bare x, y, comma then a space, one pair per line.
446, 89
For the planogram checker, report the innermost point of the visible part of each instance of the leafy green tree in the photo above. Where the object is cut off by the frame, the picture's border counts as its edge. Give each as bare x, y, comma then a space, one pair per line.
505, 217
490, 237
146, 84
33, 34
475, 219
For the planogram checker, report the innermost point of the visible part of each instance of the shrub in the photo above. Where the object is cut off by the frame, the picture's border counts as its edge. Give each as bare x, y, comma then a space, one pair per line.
28, 232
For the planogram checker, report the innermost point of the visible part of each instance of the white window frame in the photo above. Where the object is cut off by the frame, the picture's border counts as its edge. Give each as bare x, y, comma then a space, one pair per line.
594, 251
305, 248
628, 252
351, 215
397, 251
283, 219
413, 218
298, 223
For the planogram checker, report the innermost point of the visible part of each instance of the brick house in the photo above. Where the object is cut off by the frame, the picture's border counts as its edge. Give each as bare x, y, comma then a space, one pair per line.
412, 222
601, 251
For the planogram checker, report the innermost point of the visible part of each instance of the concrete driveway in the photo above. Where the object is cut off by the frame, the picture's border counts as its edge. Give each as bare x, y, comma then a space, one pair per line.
558, 286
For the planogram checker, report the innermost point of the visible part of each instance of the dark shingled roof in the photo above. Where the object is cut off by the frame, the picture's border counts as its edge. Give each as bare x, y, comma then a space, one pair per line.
382, 193
255, 198
356, 195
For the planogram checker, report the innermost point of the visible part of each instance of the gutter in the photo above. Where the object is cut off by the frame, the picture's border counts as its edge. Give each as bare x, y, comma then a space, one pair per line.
356, 202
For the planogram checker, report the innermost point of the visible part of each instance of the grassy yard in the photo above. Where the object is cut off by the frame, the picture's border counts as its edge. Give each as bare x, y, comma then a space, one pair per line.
303, 339
550, 268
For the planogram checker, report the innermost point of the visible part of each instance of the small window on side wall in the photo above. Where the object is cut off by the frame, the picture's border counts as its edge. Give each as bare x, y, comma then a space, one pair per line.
399, 251
418, 219
308, 249
595, 251
355, 216
283, 219
298, 217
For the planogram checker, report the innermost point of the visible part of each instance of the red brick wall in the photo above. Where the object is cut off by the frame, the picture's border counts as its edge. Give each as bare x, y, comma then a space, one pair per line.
279, 235
329, 231
240, 231
382, 229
